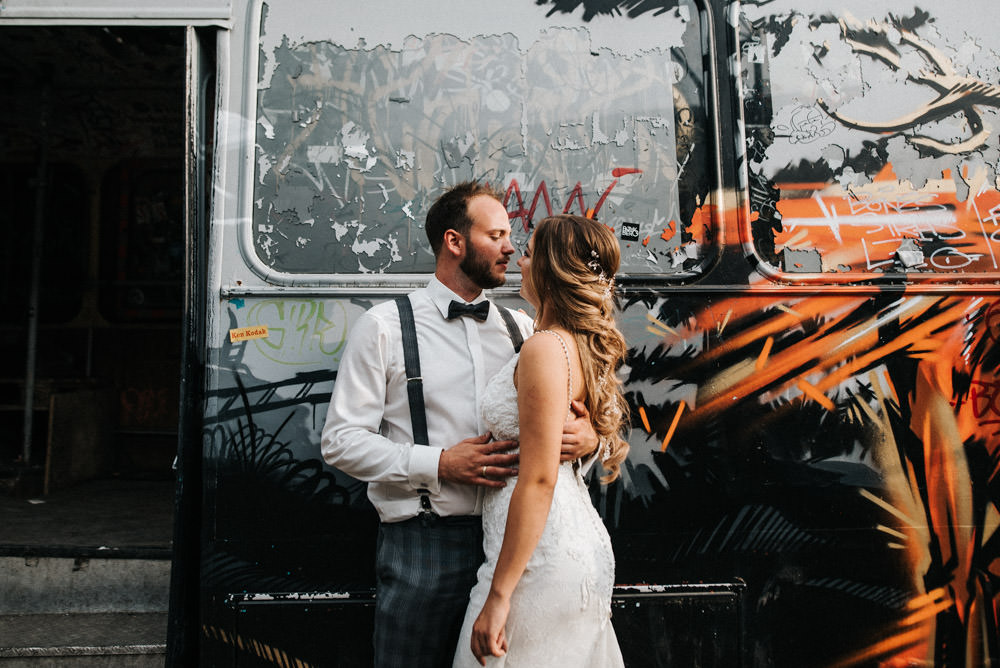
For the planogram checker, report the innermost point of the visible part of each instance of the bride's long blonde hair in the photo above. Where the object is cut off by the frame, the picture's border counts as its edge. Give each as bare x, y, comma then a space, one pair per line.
573, 264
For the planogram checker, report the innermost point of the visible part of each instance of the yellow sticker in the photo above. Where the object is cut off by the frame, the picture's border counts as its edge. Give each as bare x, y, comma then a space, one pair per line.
247, 333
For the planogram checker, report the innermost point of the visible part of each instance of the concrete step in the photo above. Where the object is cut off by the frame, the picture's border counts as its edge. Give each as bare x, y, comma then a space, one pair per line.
43, 585
85, 576
83, 640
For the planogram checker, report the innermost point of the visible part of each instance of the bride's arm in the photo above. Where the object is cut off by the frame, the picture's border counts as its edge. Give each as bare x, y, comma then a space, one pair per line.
542, 405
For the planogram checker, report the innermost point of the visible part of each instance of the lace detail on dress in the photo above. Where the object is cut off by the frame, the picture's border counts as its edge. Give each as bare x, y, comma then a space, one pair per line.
499, 408
561, 609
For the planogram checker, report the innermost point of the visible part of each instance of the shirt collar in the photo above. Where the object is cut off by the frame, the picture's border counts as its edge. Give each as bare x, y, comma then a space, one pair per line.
441, 295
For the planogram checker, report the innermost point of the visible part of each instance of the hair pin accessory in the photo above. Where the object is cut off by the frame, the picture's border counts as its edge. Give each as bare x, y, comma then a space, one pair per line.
595, 266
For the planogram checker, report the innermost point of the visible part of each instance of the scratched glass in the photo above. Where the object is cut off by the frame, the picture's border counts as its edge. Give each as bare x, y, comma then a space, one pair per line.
861, 169
354, 144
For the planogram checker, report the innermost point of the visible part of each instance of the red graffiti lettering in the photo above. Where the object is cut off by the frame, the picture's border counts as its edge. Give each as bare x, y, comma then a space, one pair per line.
527, 214
985, 401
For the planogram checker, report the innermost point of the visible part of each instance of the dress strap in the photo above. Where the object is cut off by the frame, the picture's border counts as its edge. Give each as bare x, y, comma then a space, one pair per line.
569, 367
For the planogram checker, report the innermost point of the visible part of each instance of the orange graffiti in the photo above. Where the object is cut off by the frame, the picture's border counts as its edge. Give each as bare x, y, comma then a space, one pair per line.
889, 226
673, 427
669, 231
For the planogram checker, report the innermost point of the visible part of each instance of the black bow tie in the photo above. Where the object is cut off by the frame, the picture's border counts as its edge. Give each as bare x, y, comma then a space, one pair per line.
478, 311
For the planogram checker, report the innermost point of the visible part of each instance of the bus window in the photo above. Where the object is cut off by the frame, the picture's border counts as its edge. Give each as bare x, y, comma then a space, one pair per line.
860, 166
353, 143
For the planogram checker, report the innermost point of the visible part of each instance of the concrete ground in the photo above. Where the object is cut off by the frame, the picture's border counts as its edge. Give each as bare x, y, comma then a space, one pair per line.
115, 514
75, 635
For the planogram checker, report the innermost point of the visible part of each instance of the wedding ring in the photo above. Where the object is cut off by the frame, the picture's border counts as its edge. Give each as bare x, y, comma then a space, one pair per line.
484, 471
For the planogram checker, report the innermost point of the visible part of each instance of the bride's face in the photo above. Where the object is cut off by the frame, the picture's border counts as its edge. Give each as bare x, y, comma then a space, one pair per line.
524, 262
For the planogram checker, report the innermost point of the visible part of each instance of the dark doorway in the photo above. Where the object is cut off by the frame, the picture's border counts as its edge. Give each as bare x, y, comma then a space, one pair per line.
92, 185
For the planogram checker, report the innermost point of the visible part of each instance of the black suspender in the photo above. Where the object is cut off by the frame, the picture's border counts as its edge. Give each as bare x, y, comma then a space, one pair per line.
414, 387
512, 329
415, 383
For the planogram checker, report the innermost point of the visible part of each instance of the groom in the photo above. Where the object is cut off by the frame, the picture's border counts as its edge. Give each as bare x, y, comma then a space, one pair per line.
425, 479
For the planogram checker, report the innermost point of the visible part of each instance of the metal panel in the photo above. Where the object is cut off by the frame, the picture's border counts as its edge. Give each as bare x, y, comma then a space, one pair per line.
200, 113
658, 626
145, 12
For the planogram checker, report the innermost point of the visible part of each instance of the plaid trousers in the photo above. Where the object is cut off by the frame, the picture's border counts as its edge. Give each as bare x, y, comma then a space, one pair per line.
424, 572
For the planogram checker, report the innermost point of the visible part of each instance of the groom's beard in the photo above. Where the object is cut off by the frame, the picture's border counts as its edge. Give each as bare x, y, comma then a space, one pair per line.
480, 270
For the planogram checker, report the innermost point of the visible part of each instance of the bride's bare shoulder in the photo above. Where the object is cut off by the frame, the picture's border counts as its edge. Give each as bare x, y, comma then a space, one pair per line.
545, 354
546, 342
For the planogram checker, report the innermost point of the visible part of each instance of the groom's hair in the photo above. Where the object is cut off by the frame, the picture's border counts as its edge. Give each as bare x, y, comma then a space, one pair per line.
451, 211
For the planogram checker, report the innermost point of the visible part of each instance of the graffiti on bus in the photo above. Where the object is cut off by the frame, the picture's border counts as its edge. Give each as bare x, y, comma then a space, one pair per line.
818, 417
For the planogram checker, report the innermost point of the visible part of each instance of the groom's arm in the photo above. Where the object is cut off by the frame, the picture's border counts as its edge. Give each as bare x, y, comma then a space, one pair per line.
579, 438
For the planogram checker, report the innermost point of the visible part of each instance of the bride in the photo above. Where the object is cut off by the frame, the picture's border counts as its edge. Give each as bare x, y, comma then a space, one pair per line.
543, 596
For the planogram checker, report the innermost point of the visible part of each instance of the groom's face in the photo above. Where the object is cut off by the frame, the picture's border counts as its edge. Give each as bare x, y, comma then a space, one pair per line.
488, 247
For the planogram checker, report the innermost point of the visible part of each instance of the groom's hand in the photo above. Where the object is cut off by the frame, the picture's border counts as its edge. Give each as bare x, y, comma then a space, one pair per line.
478, 461
579, 438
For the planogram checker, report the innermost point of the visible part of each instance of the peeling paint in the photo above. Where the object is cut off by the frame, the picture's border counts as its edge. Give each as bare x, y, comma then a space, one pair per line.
381, 130
801, 261
865, 100
909, 254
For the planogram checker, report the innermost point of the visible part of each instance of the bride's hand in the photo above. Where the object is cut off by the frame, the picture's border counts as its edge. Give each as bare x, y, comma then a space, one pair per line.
489, 637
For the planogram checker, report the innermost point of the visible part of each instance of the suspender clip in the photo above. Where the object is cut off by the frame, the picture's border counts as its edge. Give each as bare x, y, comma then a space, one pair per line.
427, 515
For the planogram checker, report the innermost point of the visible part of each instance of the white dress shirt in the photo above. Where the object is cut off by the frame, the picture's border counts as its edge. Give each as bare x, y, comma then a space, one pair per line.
368, 434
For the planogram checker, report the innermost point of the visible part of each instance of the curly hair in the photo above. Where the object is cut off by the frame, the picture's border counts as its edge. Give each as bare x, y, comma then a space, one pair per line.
573, 263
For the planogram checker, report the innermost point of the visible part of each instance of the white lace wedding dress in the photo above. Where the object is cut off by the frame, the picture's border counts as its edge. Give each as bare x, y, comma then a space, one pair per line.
561, 609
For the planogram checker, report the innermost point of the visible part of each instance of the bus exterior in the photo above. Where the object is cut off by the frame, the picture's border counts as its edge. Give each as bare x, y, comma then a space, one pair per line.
807, 198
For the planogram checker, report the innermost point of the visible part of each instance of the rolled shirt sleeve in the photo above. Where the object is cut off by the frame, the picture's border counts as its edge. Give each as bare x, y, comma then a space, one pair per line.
352, 438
